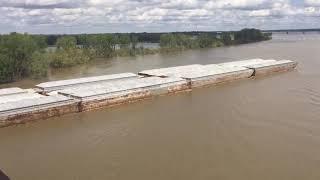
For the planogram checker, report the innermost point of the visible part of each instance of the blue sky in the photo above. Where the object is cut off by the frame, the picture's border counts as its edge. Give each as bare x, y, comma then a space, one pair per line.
98, 16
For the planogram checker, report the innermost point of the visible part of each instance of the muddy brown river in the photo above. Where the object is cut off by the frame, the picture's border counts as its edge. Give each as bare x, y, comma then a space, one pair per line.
258, 129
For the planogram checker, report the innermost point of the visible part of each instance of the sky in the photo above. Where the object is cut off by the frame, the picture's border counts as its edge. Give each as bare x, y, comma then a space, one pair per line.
102, 16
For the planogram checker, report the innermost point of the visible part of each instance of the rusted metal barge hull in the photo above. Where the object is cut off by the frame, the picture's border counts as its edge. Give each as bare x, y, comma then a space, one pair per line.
268, 68
25, 110
215, 76
114, 93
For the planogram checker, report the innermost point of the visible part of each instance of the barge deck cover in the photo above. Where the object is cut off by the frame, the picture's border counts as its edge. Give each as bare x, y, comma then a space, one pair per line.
272, 63
172, 71
244, 63
57, 85
119, 86
33, 104
9, 91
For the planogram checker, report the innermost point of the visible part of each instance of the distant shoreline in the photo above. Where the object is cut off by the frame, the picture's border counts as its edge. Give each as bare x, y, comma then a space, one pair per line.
24, 55
164, 32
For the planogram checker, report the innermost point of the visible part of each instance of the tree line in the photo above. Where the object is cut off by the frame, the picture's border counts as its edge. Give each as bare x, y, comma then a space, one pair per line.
142, 37
24, 55
207, 40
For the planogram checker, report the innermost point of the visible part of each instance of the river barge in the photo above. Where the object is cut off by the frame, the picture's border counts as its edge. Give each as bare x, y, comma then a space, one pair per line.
57, 98
119, 92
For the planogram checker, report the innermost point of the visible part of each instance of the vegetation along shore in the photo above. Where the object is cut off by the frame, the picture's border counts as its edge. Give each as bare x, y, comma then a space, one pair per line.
23, 55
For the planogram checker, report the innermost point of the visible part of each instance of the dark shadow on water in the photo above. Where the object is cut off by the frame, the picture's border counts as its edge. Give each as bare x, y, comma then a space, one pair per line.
3, 176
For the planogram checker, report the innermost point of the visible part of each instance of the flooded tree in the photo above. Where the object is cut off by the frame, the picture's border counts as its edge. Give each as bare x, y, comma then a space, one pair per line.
250, 35
23, 55
16, 53
67, 53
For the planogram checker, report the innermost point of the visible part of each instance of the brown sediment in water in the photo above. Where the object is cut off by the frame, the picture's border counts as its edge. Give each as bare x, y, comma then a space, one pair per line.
257, 128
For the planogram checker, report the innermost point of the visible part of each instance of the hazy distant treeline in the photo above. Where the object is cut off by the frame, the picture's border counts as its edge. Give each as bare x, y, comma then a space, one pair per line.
141, 37
207, 40
23, 55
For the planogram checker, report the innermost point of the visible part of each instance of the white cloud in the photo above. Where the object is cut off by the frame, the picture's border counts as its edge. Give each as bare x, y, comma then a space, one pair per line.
181, 4
260, 13
242, 4
55, 16
312, 11
312, 2
104, 2
40, 4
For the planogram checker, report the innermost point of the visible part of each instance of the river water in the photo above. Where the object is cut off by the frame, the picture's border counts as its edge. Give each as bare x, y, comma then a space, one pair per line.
266, 128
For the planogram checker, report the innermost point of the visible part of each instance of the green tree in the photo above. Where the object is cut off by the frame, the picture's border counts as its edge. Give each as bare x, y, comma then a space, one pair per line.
16, 52
66, 42
250, 35
226, 38
205, 41
124, 41
168, 41
105, 45
41, 41
7, 70
134, 42
68, 54
39, 65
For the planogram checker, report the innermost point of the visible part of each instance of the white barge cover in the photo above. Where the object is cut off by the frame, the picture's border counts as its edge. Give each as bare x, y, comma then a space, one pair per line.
58, 85
171, 71
19, 97
213, 69
272, 63
33, 104
244, 63
14, 90
121, 87
194, 71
